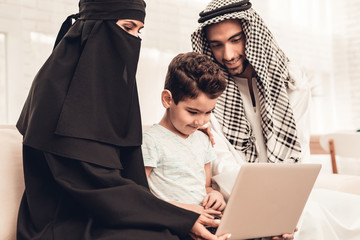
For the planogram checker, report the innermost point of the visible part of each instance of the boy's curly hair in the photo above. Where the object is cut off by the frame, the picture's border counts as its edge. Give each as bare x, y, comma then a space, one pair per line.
191, 73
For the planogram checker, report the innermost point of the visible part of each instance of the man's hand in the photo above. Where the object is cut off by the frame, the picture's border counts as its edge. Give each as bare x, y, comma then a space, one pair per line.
207, 131
286, 235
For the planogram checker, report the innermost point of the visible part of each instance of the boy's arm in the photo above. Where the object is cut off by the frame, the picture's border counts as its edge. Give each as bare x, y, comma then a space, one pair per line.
213, 199
208, 184
148, 171
150, 155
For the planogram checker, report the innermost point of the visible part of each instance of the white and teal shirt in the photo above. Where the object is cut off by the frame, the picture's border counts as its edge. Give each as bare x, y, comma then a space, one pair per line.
178, 164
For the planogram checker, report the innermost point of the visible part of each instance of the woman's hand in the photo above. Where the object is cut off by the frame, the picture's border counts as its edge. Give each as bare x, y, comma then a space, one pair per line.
214, 200
199, 232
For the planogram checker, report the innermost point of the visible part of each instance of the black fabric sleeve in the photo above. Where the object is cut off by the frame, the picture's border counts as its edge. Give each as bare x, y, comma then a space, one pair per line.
115, 201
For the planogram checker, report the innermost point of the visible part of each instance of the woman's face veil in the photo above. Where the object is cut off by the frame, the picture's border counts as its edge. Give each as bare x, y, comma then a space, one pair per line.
86, 94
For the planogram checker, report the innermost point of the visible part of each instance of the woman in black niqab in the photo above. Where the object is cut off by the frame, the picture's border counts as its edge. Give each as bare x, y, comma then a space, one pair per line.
83, 167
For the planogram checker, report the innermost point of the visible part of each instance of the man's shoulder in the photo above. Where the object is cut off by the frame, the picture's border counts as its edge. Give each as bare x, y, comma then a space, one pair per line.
299, 79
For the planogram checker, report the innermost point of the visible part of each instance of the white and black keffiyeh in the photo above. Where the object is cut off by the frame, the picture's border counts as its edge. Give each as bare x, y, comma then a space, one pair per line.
270, 65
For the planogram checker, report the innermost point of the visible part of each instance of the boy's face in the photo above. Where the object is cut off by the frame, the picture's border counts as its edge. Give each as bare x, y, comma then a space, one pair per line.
190, 114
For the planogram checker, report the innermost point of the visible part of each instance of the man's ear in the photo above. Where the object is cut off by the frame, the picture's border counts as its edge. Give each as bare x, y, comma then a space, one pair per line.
166, 98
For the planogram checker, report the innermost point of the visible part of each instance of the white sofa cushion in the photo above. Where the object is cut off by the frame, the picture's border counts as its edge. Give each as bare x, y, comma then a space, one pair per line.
339, 182
11, 180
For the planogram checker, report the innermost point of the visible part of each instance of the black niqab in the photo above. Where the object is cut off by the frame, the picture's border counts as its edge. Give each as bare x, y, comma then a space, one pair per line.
84, 100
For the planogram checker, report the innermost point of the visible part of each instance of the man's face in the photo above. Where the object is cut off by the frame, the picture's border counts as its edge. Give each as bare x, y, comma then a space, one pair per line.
227, 42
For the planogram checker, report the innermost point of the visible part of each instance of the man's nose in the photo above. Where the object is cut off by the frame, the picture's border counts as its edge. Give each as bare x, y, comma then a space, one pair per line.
228, 53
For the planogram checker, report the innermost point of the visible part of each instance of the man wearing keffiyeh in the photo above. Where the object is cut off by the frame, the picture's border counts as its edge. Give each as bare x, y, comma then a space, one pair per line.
264, 119
264, 107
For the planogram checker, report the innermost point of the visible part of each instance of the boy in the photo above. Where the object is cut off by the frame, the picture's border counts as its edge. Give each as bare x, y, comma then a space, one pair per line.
177, 157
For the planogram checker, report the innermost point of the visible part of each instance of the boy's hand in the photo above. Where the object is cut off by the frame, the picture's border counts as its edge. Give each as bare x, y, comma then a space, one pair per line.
214, 200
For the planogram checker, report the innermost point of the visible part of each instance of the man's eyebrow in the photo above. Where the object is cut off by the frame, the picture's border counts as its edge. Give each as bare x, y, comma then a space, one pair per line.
230, 38
213, 41
236, 35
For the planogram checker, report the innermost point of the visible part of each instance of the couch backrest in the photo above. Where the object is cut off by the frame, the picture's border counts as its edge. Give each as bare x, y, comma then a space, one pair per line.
11, 180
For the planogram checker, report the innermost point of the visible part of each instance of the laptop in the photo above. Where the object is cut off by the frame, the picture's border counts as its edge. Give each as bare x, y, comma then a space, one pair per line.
267, 199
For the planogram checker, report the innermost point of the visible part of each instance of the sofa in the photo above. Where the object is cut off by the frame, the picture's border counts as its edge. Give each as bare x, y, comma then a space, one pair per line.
12, 181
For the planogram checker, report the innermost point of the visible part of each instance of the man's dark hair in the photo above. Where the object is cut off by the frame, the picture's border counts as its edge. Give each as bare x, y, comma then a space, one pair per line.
191, 73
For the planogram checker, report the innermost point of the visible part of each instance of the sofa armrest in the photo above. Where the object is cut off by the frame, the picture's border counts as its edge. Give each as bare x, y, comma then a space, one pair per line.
11, 180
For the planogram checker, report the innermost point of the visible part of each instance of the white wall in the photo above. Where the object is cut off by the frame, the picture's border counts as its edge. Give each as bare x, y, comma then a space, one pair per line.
320, 35
30, 27
167, 31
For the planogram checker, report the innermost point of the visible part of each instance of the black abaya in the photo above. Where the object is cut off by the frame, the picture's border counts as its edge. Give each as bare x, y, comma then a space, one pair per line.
70, 199
83, 167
